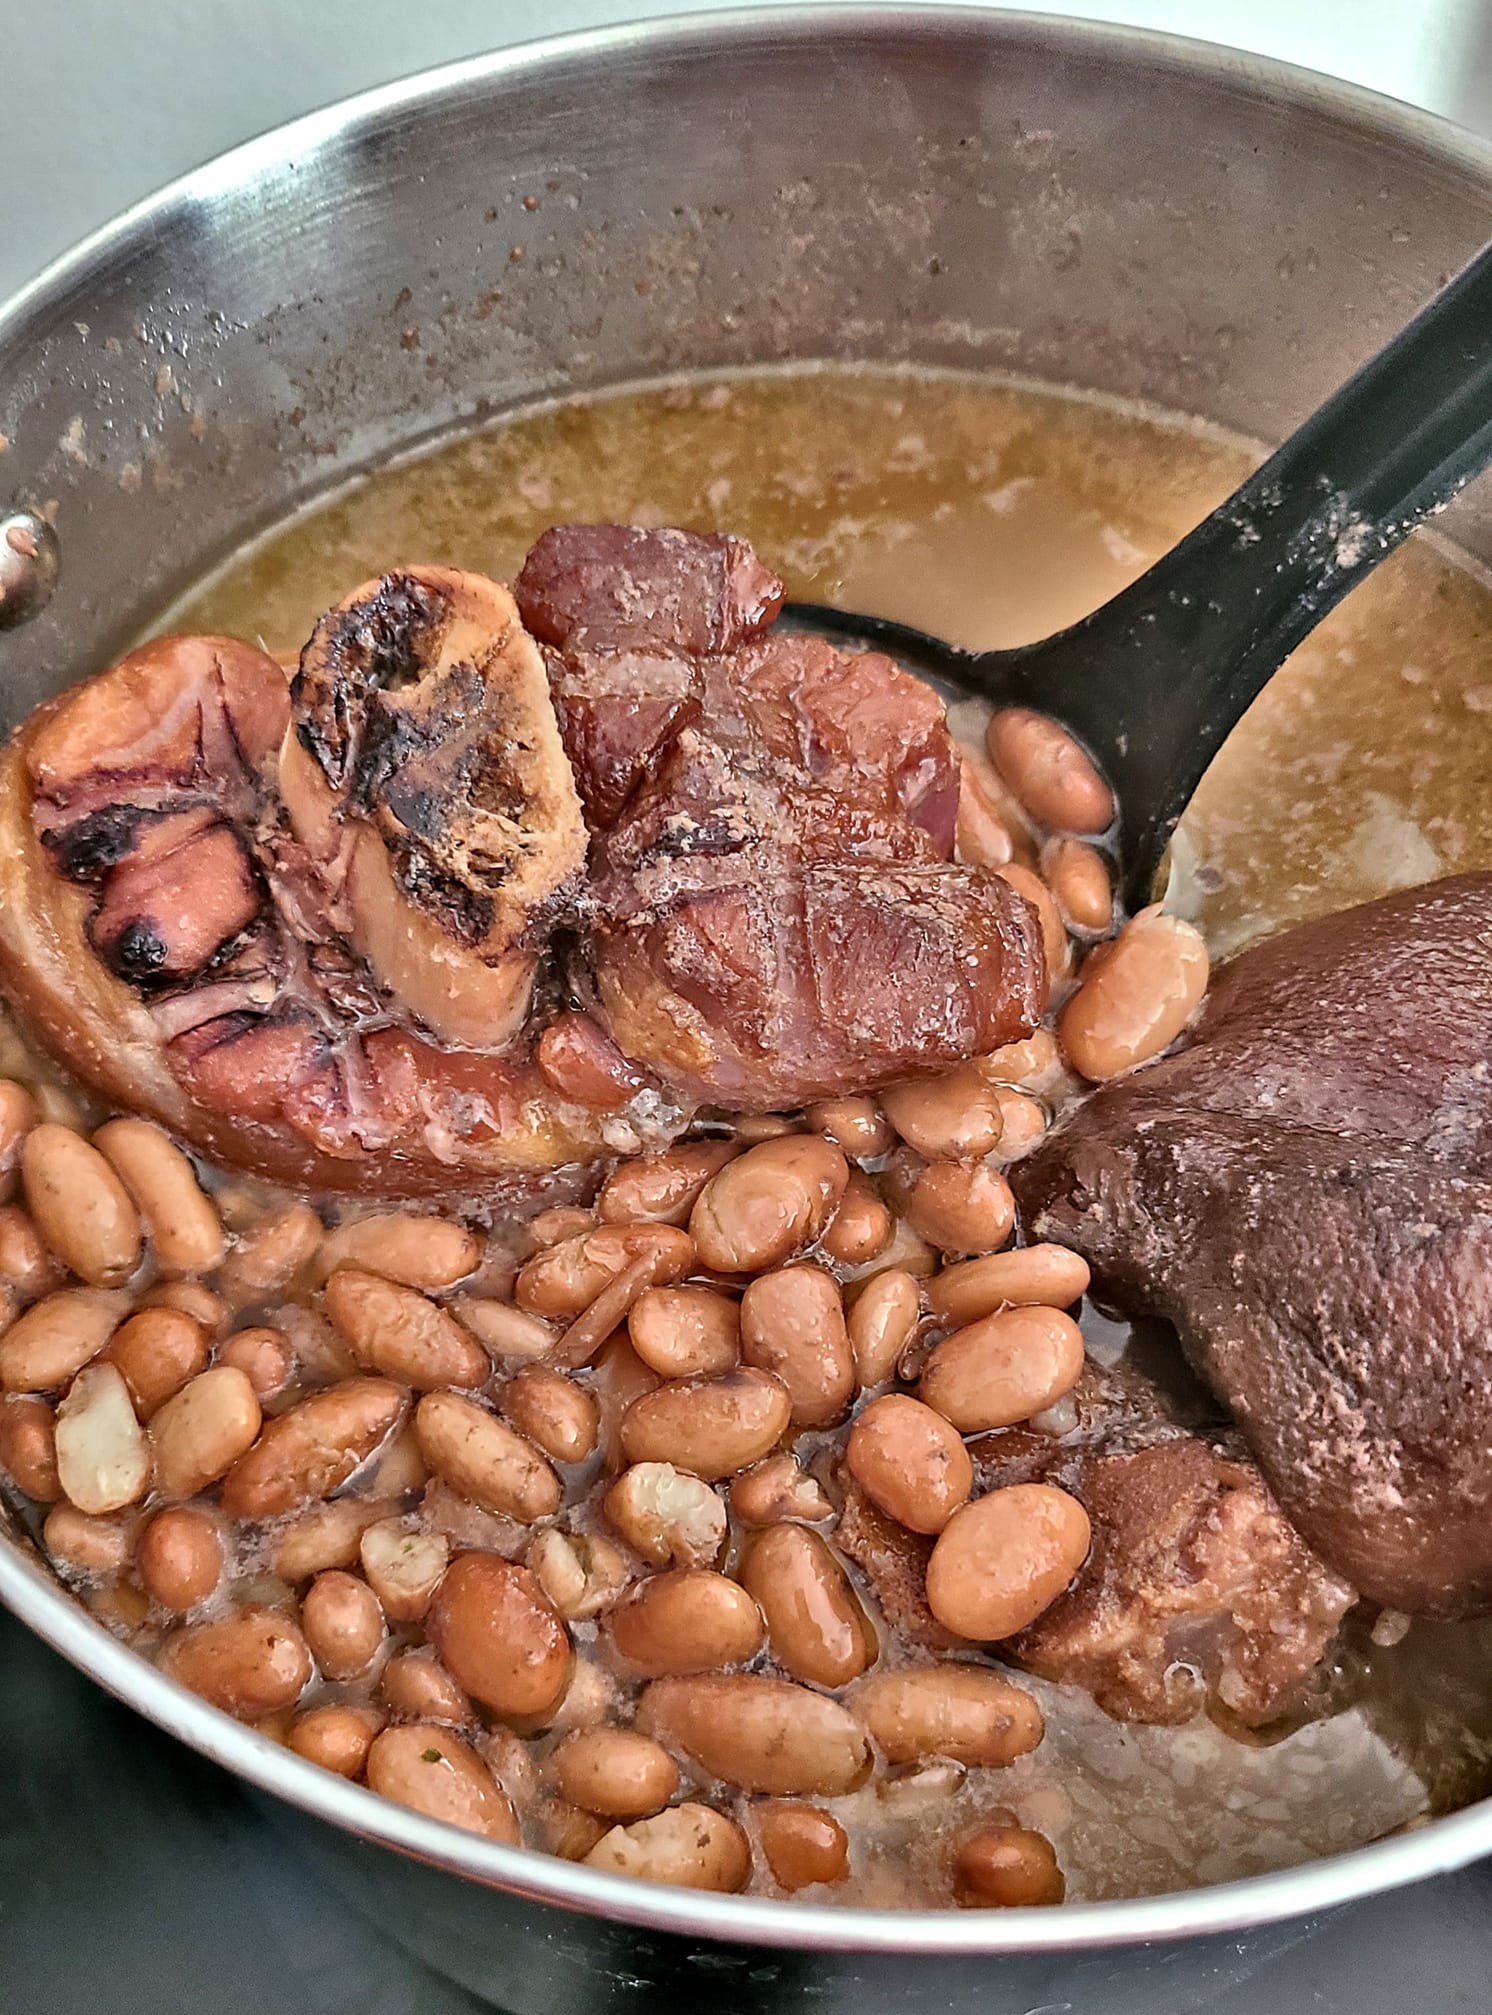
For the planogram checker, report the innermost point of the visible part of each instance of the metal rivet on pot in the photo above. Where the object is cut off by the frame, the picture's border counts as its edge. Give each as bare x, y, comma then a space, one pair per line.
29, 562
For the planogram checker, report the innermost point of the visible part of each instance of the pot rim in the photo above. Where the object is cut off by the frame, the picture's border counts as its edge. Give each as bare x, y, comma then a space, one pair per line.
41, 1603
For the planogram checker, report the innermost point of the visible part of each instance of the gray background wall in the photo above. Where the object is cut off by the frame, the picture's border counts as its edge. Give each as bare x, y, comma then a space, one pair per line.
102, 100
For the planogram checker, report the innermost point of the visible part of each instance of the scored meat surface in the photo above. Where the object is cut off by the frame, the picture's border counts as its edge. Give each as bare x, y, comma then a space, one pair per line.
1196, 1589
1305, 1190
417, 919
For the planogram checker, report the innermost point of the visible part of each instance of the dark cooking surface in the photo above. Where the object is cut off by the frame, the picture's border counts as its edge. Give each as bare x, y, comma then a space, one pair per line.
136, 1876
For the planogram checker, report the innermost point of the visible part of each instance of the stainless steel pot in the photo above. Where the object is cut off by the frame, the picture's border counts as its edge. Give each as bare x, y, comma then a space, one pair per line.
1148, 217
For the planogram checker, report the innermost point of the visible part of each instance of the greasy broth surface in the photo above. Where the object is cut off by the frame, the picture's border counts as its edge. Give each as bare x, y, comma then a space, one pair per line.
995, 514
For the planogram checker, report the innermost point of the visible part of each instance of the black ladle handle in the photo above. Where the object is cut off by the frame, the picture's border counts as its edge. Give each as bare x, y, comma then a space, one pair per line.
1156, 679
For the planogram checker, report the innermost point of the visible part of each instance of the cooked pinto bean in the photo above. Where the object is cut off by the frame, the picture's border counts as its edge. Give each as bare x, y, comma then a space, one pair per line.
1078, 877
103, 1462
961, 1206
185, 1231
966, 1712
685, 1332
1053, 931
199, 1435
712, 1426
433, 1771
793, 1325
691, 1620
252, 1663
337, 1737
909, 1461
662, 1188
802, 1844
665, 1514
857, 1126
482, 1458
507, 1332
1007, 1867
881, 1323
1137, 1001
18, 1114
428, 1253
615, 1772
325, 1535
158, 1351
778, 1489
816, 1627
689, 1846
91, 1546
1050, 772
28, 1448
500, 1637
560, 1222
955, 1117
582, 1573
189, 1297
768, 1203
1044, 1275
27, 1263
1001, 1561
760, 1734
861, 1227
343, 1623
1003, 1368
553, 1411
1030, 1065
268, 1258
263, 1356
565, 1279
50, 1343
416, 1686
179, 1556
404, 1567
1023, 1124
80, 1206
312, 1450
394, 1330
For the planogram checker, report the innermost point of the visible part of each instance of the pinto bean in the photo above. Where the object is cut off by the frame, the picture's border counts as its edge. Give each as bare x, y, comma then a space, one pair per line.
759, 1734
688, 1846
1007, 1867
817, 1630
857, 1126
338, 1737
28, 1448
504, 1331
1030, 1065
430, 1770
662, 1188
416, 1686
955, 1117
556, 1413
908, 1252
712, 1426
778, 1489
27, 1264
1003, 1368
1135, 1004
80, 1206
615, 1772
158, 1352
394, 1330
50, 1343
263, 1356
1003, 1560
961, 1206
564, 1280
403, 1567
325, 1535
200, 1434
691, 1620
1050, 772
188, 1297
1023, 1124
582, 1573
483, 1459
267, 1258
18, 1114
343, 1623
665, 1514
312, 1450
793, 1326
910, 1462
965, 1712
1054, 941
1044, 1275
428, 1253
252, 1663
685, 1332
103, 1462
179, 1556
861, 1227
185, 1231
500, 1637
802, 1844
768, 1203
560, 1222
88, 1545
1078, 877
881, 1323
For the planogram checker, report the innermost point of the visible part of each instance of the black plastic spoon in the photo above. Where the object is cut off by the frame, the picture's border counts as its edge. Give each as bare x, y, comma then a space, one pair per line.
1155, 680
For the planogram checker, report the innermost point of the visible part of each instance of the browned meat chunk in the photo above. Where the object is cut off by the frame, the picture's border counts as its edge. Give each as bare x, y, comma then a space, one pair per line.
1303, 1190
